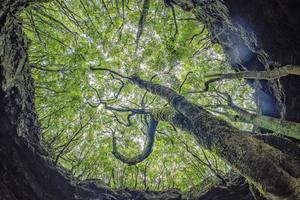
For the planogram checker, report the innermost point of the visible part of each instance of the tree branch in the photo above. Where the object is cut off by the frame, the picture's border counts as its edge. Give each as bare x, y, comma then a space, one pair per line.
241, 149
258, 75
288, 128
143, 17
145, 153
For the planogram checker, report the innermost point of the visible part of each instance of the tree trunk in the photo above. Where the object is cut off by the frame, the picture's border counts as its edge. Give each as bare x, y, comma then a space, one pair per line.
272, 170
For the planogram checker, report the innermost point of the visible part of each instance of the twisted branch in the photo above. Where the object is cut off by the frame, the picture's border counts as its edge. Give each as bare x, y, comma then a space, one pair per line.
146, 151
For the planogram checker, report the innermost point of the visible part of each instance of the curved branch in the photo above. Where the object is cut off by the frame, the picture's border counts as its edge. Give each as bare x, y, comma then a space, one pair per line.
145, 153
207, 83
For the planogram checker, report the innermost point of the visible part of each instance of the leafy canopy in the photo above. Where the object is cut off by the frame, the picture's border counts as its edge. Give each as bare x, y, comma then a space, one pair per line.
69, 37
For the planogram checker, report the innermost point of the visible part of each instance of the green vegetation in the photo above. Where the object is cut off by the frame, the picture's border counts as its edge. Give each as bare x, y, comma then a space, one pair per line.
81, 110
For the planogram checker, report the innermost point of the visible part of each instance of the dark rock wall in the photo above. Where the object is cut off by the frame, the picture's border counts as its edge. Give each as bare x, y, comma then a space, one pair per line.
25, 171
261, 35
236, 189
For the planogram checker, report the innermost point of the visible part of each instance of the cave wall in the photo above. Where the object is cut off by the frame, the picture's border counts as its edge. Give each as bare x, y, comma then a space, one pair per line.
24, 172
275, 26
236, 189
259, 35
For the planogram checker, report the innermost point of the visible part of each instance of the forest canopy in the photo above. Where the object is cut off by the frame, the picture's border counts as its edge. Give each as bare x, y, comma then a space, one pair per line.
88, 115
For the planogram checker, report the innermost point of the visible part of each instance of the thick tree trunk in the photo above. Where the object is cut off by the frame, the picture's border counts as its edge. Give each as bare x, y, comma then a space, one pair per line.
274, 171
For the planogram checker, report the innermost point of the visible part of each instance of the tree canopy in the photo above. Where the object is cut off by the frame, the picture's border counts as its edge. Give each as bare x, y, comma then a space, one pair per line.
91, 118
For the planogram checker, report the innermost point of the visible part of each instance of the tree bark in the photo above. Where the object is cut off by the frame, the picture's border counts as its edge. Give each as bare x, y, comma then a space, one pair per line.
272, 170
287, 128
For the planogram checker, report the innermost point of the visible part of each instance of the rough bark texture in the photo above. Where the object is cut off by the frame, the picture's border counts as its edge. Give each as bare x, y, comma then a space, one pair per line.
268, 167
238, 189
258, 35
26, 172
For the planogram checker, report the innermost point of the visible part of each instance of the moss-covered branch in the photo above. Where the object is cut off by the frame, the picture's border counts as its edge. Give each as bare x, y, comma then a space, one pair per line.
288, 128
270, 169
